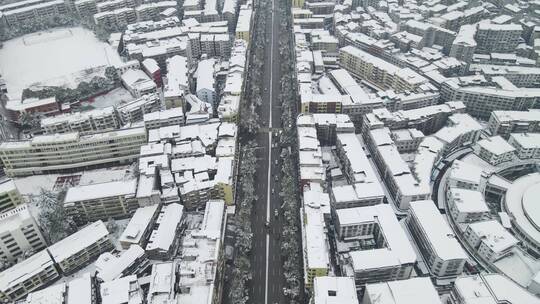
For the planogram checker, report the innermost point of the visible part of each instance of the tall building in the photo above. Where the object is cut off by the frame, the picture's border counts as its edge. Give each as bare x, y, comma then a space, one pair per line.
31, 274
116, 199
71, 151
497, 38
379, 72
81, 248
10, 197
438, 245
505, 122
19, 234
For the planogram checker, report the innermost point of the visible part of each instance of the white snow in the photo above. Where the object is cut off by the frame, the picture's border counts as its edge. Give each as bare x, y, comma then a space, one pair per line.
52, 57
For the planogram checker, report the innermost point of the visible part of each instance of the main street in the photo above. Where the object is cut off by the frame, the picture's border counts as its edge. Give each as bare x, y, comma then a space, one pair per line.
267, 281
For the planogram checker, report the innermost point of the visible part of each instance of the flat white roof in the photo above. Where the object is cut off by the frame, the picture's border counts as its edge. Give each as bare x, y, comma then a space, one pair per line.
50, 295
81, 290
334, 290
78, 241
24, 270
527, 140
101, 190
168, 219
496, 145
494, 235
121, 291
437, 231
415, 290
110, 267
463, 171
317, 251
383, 214
492, 289
468, 201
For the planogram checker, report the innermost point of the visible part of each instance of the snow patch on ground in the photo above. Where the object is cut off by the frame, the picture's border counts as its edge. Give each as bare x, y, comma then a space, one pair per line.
54, 57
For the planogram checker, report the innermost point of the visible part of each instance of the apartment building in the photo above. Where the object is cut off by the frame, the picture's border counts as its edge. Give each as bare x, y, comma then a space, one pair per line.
315, 244
19, 234
379, 72
206, 90
138, 83
505, 122
116, 199
31, 274
466, 176
381, 250
85, 8
140, 227
98, 120
10, 197
169, 117
464, 46
20, 12
81, 248
495, 150
177, 82
466, 206
402, 184
243, 23
491, 240
461, 130
334, 289
442, 253
126, 288
164, 240
134, 111
497, 38
111, 267
162, 283
414, 290
71, 151
527, 144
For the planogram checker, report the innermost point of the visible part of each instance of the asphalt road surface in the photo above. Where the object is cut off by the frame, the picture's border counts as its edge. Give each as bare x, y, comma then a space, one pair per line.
267, 280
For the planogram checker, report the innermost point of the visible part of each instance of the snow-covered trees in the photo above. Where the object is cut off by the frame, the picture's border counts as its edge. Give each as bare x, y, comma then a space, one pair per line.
53, 220
238, 291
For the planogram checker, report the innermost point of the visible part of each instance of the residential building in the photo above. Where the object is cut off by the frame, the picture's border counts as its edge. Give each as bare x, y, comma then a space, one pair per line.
19, 234
134, 111
111, 267
243, 24
14, 14
527, 144
201, 270
139, 228
315, 244
162, 283
466, 206
98, 120
88, 203
489, 288
497, 38
10, 197
461, 130
436, 241
466, 176
138, 83
81, 248
169, 117
164, 239
121, 291
379, 72
505, 122
177, 82
495, 150
31, 274
33, 106
414, 290
71, 151
206, 90
381, 249
334, 290
491, 240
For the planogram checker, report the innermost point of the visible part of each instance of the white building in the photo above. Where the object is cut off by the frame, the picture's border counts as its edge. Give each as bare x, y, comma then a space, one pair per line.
436, 241
462, 130
466, 176
101, 201
111, 267
10, 197
163, 240
315, 243
327, 290
391, 259
71, 151
121, 291
24, 277
206, 90
19, 234
418, 290
97, 120
495, 150
467, 206
134, 111
138, 83
81, 248
172, 116
489, 288
162, 283
491, 240
139, 227
527, 144
505, 122
177, 83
